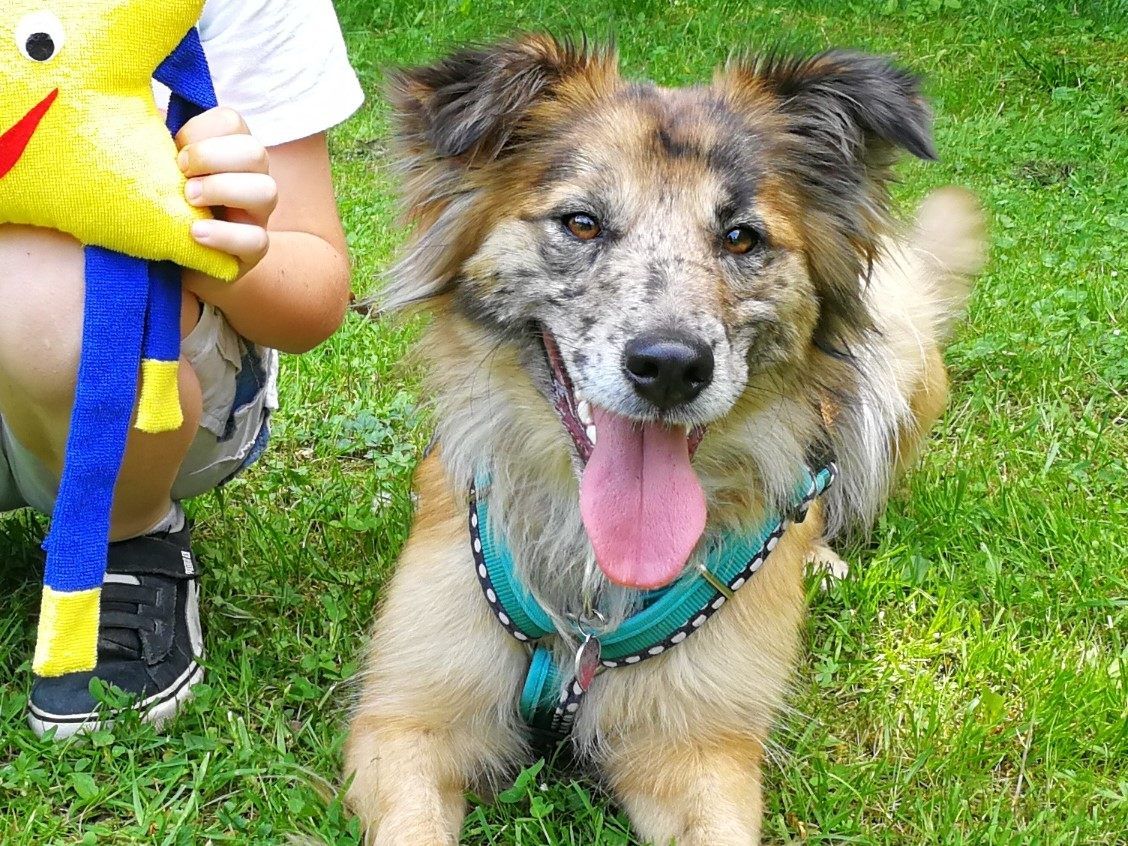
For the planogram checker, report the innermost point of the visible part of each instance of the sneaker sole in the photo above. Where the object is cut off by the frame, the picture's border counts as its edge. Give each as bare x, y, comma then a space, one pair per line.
158, 709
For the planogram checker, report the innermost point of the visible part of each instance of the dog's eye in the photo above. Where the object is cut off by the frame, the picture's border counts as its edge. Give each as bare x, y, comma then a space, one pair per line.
583, 226
741, 239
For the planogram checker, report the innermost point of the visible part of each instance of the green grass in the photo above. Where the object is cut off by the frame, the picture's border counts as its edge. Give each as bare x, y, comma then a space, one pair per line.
967, 685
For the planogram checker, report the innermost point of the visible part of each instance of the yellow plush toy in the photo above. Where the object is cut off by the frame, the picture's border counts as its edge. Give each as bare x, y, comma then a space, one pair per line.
88, 152
84, 150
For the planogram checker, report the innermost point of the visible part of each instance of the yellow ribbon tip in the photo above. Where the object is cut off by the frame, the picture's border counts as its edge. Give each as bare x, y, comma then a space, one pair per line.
158, 407
68, 633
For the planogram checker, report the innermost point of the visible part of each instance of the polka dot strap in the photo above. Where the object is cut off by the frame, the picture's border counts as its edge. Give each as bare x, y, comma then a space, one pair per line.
512, 604
670, 619
724, 568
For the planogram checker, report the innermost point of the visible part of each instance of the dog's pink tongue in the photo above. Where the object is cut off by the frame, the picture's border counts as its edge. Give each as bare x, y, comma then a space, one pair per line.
640, 501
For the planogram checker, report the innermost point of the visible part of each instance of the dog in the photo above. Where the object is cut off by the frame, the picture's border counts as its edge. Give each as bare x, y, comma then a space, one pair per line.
652, 311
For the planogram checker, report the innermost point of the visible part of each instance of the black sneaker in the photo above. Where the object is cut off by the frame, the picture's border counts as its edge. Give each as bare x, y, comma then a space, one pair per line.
148, 644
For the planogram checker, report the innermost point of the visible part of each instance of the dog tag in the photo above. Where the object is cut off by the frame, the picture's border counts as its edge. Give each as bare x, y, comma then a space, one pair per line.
587, 661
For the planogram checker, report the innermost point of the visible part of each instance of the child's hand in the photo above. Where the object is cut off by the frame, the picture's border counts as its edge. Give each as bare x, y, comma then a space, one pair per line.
228, 170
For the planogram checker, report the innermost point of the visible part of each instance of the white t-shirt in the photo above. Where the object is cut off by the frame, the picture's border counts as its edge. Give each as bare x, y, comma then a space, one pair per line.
281, 64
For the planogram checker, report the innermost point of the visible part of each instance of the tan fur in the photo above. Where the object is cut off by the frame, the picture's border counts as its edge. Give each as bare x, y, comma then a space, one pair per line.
436, 714
679, 738
437, 710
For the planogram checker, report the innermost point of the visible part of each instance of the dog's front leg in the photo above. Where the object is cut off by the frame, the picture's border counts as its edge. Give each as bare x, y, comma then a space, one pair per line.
407, 789
679, 792
431, 723
437, 710
436, 715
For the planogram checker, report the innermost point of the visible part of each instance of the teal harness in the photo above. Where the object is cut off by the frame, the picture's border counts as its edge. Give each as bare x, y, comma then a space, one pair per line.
553, 691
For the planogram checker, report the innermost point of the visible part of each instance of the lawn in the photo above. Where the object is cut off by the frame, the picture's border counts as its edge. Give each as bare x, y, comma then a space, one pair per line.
967, 685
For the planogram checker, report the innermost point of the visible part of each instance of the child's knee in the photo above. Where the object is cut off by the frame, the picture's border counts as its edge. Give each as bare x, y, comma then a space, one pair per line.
41, 298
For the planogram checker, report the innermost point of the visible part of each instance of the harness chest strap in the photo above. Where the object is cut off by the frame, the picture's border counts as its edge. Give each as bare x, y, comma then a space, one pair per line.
552, 694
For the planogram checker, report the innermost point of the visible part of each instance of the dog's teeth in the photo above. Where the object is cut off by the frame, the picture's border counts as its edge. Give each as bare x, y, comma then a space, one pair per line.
583, 409
579, 396
590, 432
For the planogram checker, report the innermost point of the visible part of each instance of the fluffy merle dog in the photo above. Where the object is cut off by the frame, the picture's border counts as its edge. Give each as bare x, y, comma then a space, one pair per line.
650, 308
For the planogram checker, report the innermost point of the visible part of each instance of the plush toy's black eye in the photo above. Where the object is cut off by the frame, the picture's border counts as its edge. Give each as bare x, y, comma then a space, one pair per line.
40, 36
40, 46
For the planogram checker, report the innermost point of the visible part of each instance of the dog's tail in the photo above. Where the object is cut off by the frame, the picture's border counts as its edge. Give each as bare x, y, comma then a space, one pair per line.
950, 241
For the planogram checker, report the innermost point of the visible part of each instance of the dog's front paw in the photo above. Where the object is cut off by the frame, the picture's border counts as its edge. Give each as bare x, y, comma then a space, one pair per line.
411, 833
825, 563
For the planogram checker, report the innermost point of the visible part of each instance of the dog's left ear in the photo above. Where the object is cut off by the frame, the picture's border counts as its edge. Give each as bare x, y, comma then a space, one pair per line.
864, 105
840, 119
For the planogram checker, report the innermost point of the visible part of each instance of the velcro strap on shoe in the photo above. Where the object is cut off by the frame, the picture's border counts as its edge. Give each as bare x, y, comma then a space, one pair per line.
155, 555
152, 629
119, 644
122, 620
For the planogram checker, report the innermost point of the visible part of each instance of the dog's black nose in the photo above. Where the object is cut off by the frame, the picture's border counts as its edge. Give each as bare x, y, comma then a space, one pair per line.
669, 369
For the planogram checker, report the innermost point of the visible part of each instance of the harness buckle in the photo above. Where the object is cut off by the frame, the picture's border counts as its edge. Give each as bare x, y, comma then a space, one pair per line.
711, 577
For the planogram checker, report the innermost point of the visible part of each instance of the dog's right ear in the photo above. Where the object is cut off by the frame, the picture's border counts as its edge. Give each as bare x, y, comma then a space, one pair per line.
471, 106
457, 126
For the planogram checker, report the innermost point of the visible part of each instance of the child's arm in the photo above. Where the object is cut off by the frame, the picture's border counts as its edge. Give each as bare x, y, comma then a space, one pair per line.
295, 284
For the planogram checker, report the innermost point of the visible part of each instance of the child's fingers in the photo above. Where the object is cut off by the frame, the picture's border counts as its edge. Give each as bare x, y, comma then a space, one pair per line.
254, 193
245, 241
228, 169
228, 154
213, 123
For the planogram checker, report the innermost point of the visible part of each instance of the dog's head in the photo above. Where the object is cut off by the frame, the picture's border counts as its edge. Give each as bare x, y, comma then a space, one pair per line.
652, 252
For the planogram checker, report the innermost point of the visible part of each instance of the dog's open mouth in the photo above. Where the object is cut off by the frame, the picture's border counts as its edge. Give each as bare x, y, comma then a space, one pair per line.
640, 499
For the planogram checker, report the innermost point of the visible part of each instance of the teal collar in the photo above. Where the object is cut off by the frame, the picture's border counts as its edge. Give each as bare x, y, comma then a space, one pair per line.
552, 693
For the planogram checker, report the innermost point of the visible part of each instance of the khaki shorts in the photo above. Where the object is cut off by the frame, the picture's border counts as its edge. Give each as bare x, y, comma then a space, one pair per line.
239, 384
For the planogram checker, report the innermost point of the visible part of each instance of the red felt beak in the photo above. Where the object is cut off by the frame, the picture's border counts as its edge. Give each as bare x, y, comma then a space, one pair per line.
15, 140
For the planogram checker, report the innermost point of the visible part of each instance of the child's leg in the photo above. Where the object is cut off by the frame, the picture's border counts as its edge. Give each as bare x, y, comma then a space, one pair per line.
41, 298
149, 640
